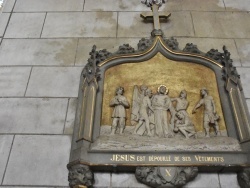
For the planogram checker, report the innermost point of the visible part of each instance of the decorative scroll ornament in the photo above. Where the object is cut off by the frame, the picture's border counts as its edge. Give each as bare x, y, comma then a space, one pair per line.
80, 175
215, 54
90, 71
230, 73
161, 177
150, 3
172, 43
244, 178
144, 44
125, 49
192, 48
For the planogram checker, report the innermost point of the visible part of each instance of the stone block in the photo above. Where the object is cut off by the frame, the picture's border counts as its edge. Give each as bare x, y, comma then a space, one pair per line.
126, 180
38, 160
70, 120
54, 82
130, 24
5, 147
112, 45
243, 46
25, 25
245, 80
38, 52
102, 180
229, 180
204, 180
48, 5
80, 24
37, 116
13, 80
4, 18
114, 5
205, 44
8, 5
221, 24
240, 5
197, 5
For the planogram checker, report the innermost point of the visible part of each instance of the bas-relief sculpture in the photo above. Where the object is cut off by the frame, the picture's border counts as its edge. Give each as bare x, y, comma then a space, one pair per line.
163, 136
150, 111
119, 102
210, 116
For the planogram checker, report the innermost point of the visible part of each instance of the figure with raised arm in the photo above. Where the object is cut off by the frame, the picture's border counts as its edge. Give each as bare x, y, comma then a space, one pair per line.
144, 110
119, 102
210, 115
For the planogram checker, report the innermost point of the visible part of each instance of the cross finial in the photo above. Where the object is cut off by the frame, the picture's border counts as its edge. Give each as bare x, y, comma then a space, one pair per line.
154, 5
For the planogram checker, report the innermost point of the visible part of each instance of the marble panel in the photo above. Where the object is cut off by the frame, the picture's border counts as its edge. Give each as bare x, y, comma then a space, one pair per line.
245, 80
47, 52
54, 82
32, 115
13, 81
25, 25
221, 24
80, 24
243, 46
48, 5
5, 147
38, 160
4, 18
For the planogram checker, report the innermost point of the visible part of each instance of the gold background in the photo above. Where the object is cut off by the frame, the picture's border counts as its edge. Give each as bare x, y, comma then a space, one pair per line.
162, 71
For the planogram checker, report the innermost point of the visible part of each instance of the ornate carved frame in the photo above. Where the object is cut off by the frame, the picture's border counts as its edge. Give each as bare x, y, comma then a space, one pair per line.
83, 160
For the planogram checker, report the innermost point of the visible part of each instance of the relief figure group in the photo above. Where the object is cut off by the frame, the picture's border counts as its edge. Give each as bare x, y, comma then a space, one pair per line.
161, 116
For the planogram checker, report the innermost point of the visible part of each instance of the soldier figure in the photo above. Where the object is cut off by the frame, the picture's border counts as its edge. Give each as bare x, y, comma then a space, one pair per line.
119, 102
210, 116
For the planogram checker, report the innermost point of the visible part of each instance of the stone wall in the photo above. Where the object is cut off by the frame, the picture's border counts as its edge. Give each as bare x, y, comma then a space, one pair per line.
45, 43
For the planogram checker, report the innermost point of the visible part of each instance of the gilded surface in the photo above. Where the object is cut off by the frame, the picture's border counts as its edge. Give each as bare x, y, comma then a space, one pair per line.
160, 70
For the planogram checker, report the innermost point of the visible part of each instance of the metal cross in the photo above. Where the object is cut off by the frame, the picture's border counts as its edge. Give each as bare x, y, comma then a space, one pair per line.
155, 5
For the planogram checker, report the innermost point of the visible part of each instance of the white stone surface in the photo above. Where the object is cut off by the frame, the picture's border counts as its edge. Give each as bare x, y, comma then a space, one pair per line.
33, 116
102, 180
54, 82
195, 5
221, 24
38, 52
245, 79
13, 81
4, 18
239, 5
243, 46
73, 24
70, 120
25, 25
228, 180
8, 5
117, 5
38, 160
126, 180
48, 5
204, 180
5, 146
